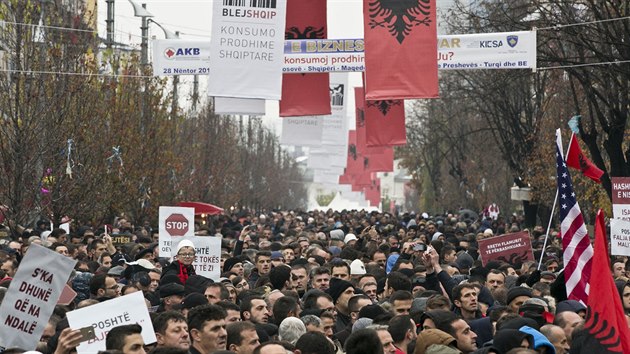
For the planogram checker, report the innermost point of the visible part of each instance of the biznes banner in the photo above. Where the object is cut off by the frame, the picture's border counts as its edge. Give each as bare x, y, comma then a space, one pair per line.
506, 50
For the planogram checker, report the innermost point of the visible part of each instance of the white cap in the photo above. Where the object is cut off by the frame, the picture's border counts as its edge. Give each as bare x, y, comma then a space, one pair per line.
357, 267
349, 237
185, 243
425, 215
488, 232
145, 263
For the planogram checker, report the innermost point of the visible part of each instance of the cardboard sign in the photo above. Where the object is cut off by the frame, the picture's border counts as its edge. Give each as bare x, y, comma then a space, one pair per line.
619, 237
621, 197
174, 222
32, 297
512, 248
128, 309
207, 255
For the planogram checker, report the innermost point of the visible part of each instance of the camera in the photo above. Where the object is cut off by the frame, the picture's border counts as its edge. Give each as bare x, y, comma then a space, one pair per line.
420, 247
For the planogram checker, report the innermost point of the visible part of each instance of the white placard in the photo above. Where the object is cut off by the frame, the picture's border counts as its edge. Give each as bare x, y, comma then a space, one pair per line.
181, 57
302, 131
123, 310
170, 224
207, 255
619, 237
32, 296
247, 48
248, 106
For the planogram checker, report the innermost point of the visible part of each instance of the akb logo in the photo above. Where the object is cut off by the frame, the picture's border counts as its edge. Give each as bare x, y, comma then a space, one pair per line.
171, 53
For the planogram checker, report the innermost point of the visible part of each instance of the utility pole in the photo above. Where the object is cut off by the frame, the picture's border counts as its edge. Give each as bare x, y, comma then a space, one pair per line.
110, 24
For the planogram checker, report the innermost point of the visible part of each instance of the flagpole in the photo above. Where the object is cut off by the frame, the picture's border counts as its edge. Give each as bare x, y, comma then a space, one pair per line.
553, 209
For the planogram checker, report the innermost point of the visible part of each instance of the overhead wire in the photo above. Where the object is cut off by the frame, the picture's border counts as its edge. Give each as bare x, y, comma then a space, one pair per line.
555, 27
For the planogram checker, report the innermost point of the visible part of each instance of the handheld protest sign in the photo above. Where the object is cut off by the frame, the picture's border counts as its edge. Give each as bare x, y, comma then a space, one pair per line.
123, 310
621, 197
510, 248
207, 255
174, 222
619, 237
32, 297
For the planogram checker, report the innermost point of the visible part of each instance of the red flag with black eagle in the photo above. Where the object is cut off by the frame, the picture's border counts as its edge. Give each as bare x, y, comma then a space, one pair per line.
577, 160
385, 123
305, 94
605, 328
373, 192
400, 49
361, 128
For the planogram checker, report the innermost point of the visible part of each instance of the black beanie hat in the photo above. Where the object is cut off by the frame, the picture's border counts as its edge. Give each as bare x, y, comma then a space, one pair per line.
337, 287
518, 291
371, 311
230, 262
192, 300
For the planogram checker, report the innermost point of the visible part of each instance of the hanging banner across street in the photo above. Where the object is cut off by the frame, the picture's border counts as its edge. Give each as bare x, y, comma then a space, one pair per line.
302, 131
246, 48
503, 50
181, 57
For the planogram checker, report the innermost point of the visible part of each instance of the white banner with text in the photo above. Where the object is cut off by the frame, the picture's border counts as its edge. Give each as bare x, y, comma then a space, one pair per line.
246, 48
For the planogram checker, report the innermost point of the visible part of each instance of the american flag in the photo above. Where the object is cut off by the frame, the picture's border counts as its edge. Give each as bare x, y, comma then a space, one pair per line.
578, 252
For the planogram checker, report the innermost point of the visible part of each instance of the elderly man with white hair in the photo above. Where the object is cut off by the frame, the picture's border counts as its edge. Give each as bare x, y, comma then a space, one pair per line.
291, 329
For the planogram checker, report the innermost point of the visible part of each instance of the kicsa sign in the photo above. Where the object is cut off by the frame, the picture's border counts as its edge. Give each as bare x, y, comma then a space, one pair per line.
174, 222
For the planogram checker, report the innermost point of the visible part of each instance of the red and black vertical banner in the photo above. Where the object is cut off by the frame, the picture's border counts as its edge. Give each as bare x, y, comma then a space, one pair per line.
305, 94
385, 123
373, 192
361, 124
400, 49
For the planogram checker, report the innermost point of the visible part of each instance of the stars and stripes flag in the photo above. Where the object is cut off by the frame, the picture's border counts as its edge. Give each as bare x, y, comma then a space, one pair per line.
578, 252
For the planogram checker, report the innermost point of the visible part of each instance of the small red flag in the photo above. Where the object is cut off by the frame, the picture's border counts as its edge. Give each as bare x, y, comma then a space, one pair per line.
400, 49
577, 160
385, 123
606, 326
305, 94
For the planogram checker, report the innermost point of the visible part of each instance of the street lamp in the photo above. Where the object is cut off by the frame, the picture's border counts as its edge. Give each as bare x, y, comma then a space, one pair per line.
141, 11
171, 35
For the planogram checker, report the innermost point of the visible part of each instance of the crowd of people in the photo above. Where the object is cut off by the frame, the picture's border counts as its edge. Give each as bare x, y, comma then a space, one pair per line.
319, 282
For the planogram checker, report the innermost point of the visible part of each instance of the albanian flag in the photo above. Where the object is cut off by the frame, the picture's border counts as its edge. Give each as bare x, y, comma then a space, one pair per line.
305, 94
400, 49
577, 160
605, 329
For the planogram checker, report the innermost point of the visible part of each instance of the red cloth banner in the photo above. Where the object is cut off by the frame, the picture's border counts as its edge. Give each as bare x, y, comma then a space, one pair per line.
305, 94
605, 328
360, 116
383, 162
373, 193
400, 49
385, 123
577, 160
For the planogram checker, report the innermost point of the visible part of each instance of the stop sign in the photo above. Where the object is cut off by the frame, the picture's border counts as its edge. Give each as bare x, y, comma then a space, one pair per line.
176, 225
